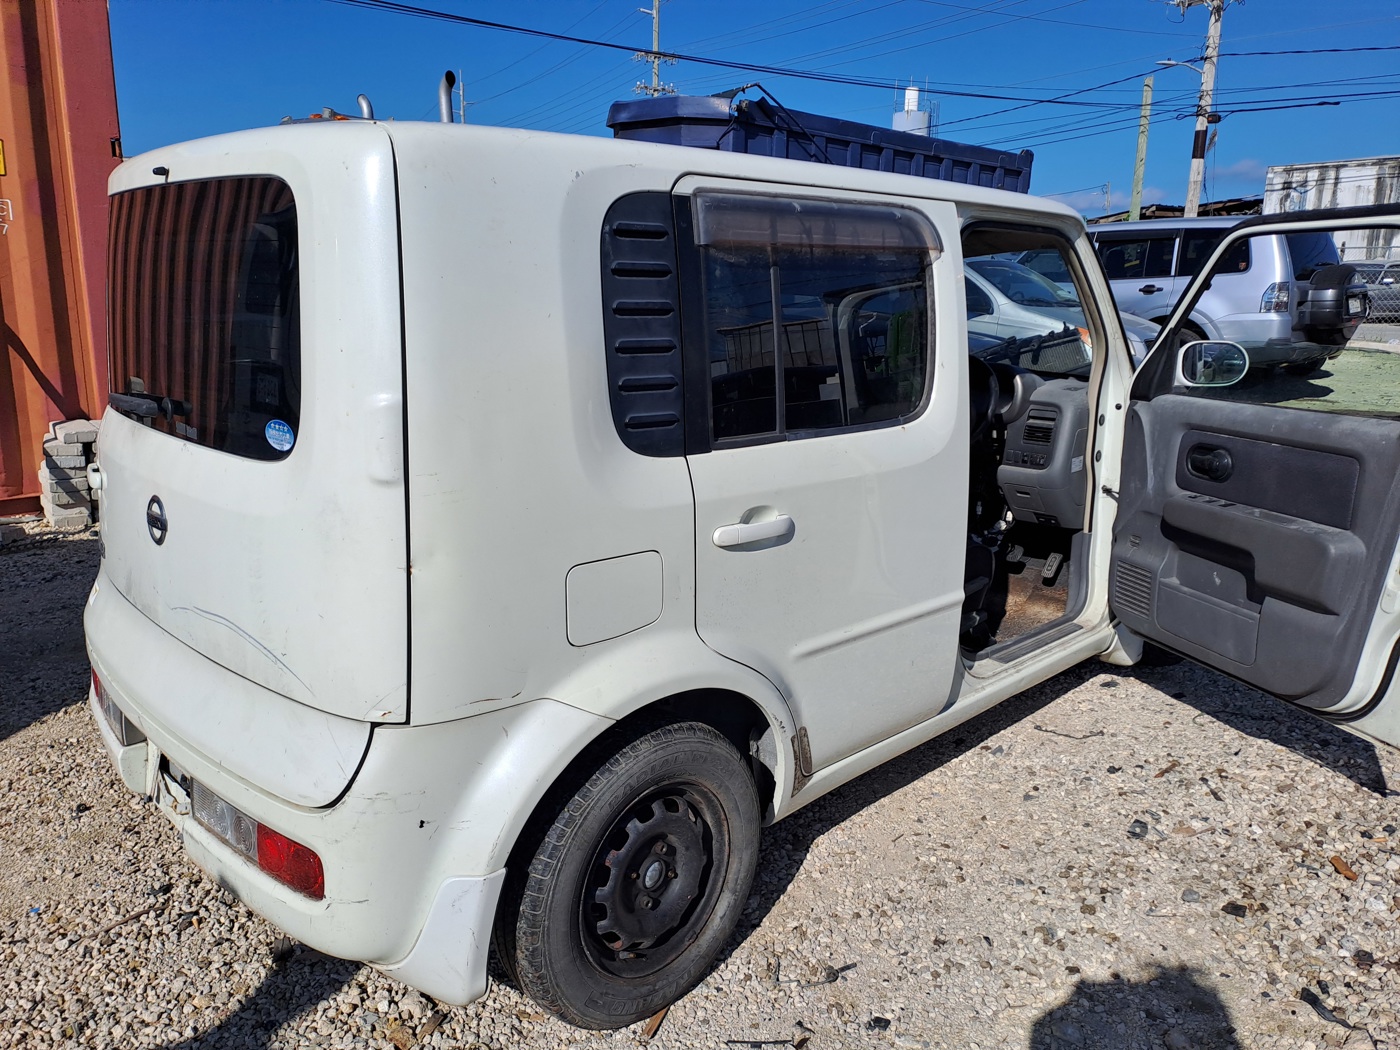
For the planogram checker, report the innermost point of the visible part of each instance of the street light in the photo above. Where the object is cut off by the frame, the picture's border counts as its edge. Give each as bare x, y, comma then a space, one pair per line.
1174, 62
1204, 117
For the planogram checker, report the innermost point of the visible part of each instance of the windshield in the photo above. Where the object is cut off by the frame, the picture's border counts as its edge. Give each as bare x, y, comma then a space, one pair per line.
1021, 284
1019, 315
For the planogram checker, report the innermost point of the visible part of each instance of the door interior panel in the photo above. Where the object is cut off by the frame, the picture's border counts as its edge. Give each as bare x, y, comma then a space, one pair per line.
1256, 538
1305, 483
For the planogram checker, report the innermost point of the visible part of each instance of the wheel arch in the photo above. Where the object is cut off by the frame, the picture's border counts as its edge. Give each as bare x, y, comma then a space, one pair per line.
759, 737
1194, 320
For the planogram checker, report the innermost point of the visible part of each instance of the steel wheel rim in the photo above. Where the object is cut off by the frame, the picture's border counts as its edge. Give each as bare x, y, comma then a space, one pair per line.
653, 880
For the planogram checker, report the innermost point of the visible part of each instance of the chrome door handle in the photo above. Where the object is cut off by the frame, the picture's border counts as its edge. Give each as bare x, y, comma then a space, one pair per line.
751, 532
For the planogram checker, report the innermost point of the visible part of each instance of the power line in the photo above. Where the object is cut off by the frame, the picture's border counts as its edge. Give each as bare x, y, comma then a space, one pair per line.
1122, 124
1310, 51
751, 67
1068, 193
1063, 22
1027, 105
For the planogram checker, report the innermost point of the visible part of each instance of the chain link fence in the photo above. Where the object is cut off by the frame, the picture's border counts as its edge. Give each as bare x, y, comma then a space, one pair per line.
1379, 267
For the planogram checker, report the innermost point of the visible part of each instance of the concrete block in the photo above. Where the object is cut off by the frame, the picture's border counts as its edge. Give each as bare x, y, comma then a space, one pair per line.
74, 431
67, 462
68, 518
62, 502
61, 498
49, 469
12, 534
73, 486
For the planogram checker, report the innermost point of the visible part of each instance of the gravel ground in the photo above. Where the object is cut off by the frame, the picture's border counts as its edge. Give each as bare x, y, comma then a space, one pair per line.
1156, 858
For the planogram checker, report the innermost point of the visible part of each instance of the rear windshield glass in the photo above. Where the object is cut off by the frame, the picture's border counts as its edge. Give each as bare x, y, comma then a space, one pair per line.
1310, 252
205, 329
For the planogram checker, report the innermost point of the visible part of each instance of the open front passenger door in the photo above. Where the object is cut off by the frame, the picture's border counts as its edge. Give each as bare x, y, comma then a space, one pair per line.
1259, 514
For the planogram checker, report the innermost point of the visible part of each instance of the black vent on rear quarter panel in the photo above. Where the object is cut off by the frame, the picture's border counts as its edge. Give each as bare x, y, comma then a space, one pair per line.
642, 324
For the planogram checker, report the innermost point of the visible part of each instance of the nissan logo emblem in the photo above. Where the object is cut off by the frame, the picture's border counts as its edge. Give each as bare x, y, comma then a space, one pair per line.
156, 521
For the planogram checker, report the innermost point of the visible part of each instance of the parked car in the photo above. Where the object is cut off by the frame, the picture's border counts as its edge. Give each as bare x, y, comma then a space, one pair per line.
1288, 300
1383, 285
567, 509
1008, 298
1049, 264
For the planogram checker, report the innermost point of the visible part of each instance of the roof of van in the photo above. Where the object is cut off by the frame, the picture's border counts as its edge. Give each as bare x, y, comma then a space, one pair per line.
571, 151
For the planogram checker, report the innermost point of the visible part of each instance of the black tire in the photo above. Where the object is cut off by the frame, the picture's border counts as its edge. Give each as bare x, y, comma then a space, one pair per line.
1189, 333
672, 817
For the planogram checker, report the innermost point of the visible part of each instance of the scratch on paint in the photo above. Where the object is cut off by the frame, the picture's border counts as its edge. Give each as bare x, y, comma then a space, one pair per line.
224, 621
494, 699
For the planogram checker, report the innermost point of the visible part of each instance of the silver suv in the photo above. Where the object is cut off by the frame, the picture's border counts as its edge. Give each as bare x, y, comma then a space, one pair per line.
1288, 299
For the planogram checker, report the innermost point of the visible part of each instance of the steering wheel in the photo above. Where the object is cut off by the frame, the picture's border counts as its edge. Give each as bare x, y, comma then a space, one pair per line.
1017, 296
985, 395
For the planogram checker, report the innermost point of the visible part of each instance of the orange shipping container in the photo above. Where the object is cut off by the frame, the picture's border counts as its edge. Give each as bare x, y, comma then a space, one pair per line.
58, 126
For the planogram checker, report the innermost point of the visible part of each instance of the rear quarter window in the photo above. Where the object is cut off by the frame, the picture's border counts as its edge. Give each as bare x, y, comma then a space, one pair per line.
205, 331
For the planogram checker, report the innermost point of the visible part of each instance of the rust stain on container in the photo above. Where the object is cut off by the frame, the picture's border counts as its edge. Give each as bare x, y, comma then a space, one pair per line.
58, 111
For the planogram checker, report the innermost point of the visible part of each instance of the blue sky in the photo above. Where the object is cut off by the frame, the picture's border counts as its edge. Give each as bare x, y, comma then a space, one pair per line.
198, 67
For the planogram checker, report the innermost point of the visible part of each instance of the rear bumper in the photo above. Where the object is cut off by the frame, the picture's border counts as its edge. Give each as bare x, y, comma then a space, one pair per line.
293, 751
1270, 339
414, 848
448, 958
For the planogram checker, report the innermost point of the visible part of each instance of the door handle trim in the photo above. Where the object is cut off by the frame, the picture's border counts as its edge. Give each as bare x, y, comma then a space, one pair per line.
739, 533
1150, 289
1209, 462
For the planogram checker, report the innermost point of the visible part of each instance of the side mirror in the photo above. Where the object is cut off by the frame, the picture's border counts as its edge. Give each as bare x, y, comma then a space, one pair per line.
1210, 363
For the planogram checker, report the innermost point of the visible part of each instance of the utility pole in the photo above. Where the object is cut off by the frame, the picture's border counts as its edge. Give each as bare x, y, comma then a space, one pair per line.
653, 56
1140, 165
1204, 117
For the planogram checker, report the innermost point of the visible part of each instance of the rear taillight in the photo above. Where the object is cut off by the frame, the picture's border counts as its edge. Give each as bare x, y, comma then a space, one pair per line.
291, 862
126, 731
1275, 298
287, 861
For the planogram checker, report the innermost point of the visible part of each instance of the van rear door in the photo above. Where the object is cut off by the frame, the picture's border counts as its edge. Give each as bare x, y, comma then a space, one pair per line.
253, 498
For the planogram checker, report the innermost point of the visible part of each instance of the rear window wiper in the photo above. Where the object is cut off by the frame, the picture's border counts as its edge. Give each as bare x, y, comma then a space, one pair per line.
148, 406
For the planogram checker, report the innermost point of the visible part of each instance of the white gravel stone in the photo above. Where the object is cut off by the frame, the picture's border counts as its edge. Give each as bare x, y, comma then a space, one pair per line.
981, 891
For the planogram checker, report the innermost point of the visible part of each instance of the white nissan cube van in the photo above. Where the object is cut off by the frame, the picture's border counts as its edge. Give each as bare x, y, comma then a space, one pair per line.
500, 528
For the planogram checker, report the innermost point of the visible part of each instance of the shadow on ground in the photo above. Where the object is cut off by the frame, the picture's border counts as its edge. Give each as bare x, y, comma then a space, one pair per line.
293, 987
1173, 1008
1265, 718
43, 660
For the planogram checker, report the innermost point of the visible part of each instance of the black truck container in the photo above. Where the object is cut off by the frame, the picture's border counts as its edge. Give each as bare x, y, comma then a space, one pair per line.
757, 126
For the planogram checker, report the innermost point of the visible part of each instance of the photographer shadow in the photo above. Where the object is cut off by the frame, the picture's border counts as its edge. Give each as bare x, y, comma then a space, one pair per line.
1173, 1008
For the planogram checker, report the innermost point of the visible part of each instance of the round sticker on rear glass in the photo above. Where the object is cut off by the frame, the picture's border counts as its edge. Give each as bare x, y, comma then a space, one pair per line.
279, 435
